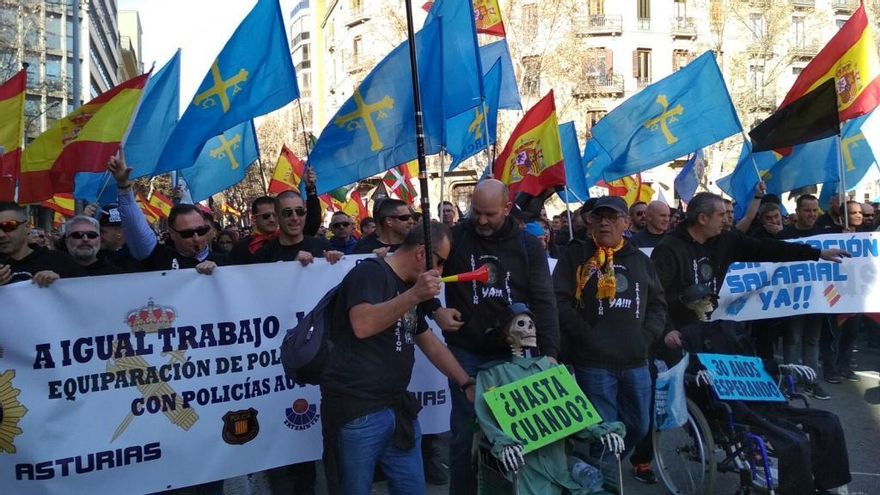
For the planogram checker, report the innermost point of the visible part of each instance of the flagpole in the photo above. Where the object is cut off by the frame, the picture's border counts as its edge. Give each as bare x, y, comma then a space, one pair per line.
442, 182
751, 155
842, 173
302, 123
568, 210
420, 137
263, 175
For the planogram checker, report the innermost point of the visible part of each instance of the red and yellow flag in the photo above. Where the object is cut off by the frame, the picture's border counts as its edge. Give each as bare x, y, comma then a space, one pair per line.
61, 203
288, 172
488, 17
398, 181
83, 141
851, 59
161, 204
150, 213
12, 124
631, 189
531, 160
227, 209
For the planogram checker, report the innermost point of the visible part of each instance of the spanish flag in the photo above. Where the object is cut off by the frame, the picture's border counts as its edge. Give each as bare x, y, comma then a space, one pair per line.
12, 124
227, 209
532, 158
850, 59
149, 212
357, 210
161, 204
488, 17
631, 189
83, 141
288, 172
61, 203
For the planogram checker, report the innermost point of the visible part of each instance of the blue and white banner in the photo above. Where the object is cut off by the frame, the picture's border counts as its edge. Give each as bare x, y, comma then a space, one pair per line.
163, 380
740, 378
755, 291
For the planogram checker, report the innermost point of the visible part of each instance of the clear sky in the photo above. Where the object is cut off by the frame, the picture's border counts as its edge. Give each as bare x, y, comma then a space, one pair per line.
199, 27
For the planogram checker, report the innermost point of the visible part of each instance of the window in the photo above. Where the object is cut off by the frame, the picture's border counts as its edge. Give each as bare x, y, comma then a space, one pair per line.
531, 80
53, 33
756, 79
642, 66
679, 8
757, 26
680, 58
797, 28
33, 71
356, 50
796, 71
593, 117
643, 10
596, 7
53, 73
599, 68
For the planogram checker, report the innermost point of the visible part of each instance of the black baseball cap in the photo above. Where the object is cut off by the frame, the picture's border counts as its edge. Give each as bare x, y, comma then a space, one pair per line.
615, 203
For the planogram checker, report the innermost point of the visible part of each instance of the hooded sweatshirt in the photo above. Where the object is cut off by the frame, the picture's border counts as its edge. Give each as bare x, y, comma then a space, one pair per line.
523, 276
682, 262
610, 333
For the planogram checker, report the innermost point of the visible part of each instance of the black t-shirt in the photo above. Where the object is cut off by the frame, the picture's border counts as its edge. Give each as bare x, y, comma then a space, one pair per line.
370, 243
792, 232
39, 260
101, 267
645, 239
275, 251
363, 375
122, 259
166, 257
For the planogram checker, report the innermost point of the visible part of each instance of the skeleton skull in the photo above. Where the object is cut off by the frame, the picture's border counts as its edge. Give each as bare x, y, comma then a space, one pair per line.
521, 331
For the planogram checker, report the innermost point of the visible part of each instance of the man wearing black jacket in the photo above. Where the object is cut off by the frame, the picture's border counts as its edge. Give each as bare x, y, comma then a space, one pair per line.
490, 235
611, 309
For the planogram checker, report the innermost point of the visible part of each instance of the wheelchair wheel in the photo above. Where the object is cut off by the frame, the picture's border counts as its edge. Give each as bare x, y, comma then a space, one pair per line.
685, 456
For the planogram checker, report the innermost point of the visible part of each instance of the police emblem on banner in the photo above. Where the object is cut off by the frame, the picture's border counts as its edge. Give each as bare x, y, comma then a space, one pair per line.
301, 415
240, 427
11, 412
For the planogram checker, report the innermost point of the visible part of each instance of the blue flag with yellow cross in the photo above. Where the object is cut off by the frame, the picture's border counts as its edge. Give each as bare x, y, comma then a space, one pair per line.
687, 110
223, 162
253, 75
474, 130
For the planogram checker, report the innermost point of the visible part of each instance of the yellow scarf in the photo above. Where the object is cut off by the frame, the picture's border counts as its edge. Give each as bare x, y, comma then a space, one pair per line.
602, 263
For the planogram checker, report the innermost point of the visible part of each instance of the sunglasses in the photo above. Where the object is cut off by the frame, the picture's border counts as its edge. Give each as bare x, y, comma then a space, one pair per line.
81, 235
10, 225
187, 233
440, 260
267, 216
288, 212
402, 218
340, 225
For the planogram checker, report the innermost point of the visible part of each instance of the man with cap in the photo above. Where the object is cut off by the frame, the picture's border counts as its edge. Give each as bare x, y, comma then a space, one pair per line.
611, 309
113, 248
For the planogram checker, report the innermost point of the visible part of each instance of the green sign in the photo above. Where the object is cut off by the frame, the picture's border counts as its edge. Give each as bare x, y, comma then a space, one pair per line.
540, 409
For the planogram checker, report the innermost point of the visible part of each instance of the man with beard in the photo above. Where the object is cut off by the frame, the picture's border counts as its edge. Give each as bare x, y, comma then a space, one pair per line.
19, 261
82, 238
637, 217
489, 235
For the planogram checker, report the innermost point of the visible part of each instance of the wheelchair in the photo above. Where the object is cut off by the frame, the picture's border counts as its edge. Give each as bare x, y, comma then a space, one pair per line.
689, 458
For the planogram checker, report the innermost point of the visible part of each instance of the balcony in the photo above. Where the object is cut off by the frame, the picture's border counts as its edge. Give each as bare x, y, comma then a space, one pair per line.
683, 27
644, 23
803, 4
356, 17
844, 6
355, 64
598, 25
643, 82
804, 50
597, 87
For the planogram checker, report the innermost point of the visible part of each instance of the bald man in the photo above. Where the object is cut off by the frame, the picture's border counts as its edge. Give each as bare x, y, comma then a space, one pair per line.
656, 225
490, 235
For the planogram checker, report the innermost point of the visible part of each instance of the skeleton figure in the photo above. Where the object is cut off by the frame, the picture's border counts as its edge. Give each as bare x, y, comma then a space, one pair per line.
699, 299
548, 472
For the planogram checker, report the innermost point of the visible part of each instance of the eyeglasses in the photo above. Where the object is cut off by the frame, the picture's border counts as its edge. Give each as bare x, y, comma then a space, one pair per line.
188, 233
340, 225
610, 216
440, 260
80, 235
10, 225
402, 218
267, 216
288, 212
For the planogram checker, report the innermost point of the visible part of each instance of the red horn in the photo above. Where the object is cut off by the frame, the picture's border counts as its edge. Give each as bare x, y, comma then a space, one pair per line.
481, 275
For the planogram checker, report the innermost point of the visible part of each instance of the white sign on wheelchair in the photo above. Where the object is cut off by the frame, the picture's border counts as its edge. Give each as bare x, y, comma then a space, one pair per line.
740, 378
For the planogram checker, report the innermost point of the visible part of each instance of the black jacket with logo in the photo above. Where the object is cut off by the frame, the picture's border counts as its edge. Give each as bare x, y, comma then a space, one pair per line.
682, 262
524, 276
616, 333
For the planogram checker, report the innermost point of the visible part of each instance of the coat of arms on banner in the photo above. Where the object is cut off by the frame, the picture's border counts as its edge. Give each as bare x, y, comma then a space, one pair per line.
240, 427
11, 412
150, 319
301, 415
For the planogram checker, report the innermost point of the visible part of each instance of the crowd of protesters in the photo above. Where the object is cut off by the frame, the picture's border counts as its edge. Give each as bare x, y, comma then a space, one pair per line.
609, 346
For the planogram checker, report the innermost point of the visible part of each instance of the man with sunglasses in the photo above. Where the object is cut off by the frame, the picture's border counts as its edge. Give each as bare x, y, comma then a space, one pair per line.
393, 221
82, 237
19, 261
292, 244
187, 230
342, 227
265, 229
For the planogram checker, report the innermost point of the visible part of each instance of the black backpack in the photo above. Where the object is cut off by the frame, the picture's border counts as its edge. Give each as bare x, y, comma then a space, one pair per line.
307, 346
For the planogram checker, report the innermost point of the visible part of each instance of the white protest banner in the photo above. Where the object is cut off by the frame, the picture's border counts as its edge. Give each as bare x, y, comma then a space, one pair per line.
144, 382
754, 291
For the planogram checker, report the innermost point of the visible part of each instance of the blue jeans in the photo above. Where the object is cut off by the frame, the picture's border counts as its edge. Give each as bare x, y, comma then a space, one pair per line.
463, 423
620, 395
365, 442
